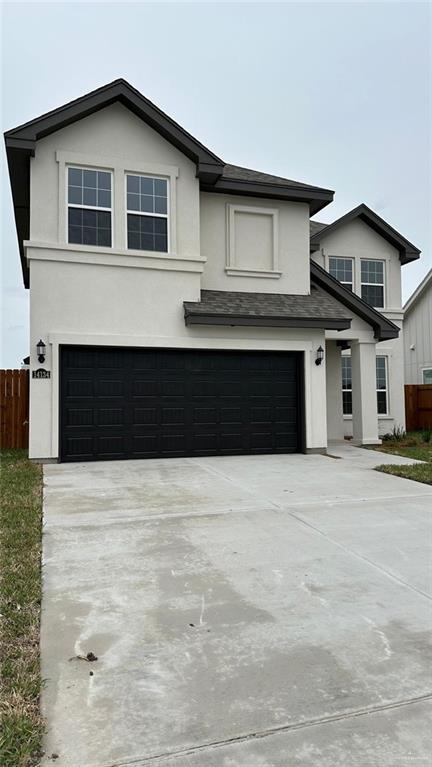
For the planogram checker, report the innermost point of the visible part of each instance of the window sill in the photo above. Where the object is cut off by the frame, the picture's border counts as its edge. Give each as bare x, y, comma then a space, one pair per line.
233, 271
380, 418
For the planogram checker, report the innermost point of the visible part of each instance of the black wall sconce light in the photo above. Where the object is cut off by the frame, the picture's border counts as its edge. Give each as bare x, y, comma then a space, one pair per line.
41, 351
319, 355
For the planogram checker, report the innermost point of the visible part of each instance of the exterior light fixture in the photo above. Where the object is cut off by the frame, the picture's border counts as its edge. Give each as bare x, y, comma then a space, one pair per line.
319, 355
41, 351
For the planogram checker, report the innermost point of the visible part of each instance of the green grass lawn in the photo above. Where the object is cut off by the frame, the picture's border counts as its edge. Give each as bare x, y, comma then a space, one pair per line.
412, 445
20, 598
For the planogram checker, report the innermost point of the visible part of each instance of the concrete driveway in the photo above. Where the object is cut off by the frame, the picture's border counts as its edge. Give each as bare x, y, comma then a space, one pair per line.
259, 611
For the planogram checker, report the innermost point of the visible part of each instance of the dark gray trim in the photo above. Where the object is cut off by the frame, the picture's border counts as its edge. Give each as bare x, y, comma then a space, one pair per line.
208, 318
118, 90
316, 451
407, 251
384, 329
316, 198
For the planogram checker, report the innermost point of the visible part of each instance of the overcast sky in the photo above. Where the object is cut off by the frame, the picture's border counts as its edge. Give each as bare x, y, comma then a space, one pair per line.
333, 94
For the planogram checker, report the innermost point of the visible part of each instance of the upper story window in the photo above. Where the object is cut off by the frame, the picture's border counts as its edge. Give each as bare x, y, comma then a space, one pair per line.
372, 282
89, 207
342, 270
147, 213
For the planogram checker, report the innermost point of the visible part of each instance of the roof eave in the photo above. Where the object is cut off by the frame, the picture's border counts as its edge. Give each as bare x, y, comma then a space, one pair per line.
194, 316
315, 198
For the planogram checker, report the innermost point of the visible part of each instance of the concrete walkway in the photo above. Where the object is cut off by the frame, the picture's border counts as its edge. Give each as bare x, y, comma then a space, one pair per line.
255, 611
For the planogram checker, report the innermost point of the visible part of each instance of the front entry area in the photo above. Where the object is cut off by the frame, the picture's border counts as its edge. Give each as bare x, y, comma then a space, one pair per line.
118, 403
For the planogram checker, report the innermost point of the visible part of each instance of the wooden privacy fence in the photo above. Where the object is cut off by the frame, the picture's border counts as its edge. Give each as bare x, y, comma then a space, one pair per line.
418, 406
14, 408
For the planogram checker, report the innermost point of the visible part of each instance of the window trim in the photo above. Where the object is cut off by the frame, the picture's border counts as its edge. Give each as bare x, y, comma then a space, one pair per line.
375, 284
387, 412
111, 209
344, 258
231, 267
167, 215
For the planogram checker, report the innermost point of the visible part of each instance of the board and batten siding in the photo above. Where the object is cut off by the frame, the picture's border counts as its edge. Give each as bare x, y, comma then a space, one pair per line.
418, 336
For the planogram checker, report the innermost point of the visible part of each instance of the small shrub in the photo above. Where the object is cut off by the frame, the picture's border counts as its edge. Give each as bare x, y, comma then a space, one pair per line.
387, 437
398, 433
426, 435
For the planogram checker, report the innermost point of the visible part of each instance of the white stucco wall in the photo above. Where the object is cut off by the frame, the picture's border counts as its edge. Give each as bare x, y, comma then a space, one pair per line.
357, 240
109, 138
292, 246
418, 334
130, 306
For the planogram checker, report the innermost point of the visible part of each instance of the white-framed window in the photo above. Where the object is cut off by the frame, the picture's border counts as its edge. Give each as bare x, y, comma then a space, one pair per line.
382, 385
372, 282
346, 385
343, 270
427, 375
89, 203
147, 205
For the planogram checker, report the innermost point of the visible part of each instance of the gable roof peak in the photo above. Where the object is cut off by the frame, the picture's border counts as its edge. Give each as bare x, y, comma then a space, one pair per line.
407, 251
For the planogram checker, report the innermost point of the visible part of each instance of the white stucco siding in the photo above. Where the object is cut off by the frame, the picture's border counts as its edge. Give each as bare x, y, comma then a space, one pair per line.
292, 245
418, 334
113, 136
357, 240
73, 303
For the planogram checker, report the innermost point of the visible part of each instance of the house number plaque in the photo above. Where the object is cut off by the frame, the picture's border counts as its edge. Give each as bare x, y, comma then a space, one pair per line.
41, 373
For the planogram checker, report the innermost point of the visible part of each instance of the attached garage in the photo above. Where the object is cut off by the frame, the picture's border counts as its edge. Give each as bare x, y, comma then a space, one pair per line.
118, 403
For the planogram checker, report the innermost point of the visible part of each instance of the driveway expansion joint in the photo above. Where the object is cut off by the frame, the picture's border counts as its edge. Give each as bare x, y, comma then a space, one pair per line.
368, 711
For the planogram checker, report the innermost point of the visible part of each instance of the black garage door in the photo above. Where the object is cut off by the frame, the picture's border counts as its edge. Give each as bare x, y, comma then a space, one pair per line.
149, 403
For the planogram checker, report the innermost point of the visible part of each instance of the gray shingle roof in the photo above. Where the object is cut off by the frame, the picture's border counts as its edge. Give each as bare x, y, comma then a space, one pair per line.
239, 173
318, 309
316, 226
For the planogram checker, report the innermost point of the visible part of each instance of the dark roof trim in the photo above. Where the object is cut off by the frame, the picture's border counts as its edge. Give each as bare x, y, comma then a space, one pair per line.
384, 329
216, 318
407, 251
122, 91
315, 197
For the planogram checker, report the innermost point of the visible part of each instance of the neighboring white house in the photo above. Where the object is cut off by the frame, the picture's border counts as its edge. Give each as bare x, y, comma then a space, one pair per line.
418, 334
177, 306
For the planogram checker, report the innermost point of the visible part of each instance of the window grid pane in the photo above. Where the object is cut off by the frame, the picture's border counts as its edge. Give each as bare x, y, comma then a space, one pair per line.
89, 227
147, 195
147, 233
346, 385
381, 385
89, 187
373, 295
427, 376
372, 272
342, 270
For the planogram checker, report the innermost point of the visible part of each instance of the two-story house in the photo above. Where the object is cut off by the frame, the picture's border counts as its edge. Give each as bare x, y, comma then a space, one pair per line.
182, 306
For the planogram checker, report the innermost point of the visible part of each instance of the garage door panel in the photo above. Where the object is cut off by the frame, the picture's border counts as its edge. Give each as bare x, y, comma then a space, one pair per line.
126, 403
